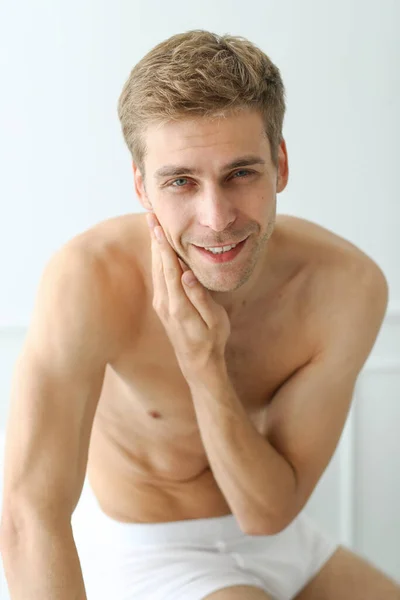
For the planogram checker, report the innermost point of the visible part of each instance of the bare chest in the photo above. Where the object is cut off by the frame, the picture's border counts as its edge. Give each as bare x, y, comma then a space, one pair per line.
146, 424
146, 390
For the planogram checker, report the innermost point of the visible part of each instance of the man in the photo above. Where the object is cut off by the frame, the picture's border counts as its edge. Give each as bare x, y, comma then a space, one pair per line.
209, 356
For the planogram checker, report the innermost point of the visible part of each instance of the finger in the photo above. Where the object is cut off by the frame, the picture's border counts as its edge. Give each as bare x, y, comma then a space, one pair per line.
178, 300
199, 297
160, 291
152, 221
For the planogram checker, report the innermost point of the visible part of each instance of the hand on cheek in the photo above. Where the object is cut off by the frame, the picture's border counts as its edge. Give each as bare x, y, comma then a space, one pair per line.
197, 326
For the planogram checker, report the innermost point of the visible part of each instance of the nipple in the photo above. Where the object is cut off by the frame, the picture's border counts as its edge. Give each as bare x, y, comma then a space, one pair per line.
154, 414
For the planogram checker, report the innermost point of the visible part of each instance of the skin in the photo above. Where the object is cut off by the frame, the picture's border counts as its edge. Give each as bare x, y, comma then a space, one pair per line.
208, 210
154, 388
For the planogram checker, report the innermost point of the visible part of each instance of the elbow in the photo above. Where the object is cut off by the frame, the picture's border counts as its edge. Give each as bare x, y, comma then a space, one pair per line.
8, 525
276, 521
266, 527
9, 532
22, 516
269, 524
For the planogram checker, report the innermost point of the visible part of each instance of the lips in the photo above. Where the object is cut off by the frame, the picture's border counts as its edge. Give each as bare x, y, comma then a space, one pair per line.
219, 245
223, 256
204, 246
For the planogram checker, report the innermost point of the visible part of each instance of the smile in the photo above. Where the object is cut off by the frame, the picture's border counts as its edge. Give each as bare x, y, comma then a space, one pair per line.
221, 254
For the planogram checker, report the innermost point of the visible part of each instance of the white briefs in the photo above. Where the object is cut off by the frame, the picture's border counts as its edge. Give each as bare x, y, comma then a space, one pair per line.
187, 560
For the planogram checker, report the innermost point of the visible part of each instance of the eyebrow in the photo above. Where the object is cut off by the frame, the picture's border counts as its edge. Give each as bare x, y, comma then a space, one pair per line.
174, 170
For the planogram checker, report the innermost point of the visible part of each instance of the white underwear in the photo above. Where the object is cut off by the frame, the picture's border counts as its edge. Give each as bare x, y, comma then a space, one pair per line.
187, 560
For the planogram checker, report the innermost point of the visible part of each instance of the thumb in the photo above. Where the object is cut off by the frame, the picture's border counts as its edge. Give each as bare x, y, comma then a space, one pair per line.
189, 278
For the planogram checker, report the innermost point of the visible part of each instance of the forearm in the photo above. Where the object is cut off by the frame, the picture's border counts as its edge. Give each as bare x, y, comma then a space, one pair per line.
257, 482
41, 563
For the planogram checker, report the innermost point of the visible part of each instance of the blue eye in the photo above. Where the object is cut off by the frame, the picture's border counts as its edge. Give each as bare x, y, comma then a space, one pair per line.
242, 171
180, 179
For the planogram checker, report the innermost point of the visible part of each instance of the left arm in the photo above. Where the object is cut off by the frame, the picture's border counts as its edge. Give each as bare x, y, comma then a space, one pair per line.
268, 479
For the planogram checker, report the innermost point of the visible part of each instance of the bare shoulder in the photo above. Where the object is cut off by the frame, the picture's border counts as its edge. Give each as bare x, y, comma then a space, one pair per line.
320, 248
345, 290
314, 239
99, 268
113, 247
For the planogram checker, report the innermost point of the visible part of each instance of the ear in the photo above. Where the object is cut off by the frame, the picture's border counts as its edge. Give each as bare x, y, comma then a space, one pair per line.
140, 188
283, 167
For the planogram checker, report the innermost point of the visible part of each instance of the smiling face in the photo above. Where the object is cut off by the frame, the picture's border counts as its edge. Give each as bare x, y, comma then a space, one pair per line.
211, 182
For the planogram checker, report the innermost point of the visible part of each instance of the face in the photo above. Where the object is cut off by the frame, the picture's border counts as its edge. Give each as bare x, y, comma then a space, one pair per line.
211, 182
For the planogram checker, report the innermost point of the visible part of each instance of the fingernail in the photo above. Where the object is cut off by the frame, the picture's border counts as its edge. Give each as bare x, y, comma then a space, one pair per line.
158, 233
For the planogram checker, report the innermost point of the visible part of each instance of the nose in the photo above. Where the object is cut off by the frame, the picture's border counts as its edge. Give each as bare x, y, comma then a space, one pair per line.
216, 210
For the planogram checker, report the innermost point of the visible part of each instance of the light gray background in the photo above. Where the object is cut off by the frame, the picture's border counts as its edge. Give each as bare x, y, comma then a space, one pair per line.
64, 167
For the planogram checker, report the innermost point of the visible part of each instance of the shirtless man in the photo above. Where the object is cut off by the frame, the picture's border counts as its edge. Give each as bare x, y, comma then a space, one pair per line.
204, 414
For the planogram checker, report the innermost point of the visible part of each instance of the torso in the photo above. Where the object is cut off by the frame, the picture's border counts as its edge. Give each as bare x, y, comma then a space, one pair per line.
147, 462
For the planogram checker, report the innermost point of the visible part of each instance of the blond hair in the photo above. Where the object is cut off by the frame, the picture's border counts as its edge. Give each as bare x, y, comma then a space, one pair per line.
199, 73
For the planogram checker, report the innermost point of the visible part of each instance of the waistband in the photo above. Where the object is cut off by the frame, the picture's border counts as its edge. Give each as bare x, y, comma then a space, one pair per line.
92, 517
206, 530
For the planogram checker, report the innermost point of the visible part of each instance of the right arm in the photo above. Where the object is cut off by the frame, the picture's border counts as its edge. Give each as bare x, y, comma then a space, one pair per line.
56, 385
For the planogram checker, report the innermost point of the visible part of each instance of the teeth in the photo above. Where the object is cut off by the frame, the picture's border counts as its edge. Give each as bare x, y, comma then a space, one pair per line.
220, 250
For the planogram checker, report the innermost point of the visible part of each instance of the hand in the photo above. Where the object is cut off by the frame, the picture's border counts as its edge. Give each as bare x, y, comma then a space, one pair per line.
197, 326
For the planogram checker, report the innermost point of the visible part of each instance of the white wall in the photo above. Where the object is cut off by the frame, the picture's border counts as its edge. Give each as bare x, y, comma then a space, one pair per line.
63, 161
64, 166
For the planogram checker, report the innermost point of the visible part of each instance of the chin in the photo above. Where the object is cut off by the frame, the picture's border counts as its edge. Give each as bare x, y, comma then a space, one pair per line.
224, 284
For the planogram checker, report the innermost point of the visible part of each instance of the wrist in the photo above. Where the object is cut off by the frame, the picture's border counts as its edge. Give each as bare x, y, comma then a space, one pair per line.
213, 376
